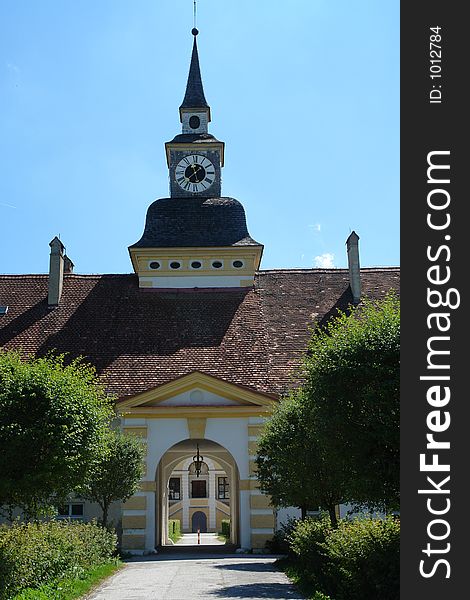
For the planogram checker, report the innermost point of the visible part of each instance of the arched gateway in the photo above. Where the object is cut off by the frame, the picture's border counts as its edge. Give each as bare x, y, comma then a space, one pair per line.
176, 419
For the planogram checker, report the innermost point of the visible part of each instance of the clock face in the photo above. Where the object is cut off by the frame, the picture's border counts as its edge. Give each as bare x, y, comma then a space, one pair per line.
195, 173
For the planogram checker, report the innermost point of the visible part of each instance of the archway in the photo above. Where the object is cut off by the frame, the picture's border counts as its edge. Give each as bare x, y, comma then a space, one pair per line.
182, 492
199, 522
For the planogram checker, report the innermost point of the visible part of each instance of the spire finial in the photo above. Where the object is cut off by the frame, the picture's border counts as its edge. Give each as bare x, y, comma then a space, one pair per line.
195, 30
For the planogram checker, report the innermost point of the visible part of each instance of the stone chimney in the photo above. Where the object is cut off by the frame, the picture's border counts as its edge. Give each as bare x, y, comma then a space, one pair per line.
56, 271
352, 245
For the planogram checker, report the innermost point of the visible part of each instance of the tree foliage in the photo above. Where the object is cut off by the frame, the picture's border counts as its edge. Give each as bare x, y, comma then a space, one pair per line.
117, 473
293, 467
336, 438
351, 393
53, 419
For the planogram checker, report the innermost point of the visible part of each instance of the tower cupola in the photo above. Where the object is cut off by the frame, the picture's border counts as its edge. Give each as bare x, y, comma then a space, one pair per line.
195, 239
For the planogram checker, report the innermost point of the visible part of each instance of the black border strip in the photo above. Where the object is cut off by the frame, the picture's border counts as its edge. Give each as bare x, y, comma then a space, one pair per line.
439, 127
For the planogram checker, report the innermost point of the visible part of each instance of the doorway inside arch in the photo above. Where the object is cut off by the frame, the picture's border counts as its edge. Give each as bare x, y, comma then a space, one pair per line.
197, 494
199, 522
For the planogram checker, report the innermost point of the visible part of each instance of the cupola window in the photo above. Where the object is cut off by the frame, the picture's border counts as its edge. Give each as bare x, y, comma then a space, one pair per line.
217, 264
196, 264
175, 265
238, 264
154, 264
194, 122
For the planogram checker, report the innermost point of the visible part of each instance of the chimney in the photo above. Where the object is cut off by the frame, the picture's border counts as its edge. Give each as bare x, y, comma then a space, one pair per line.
56, 271
68, 265
352, 245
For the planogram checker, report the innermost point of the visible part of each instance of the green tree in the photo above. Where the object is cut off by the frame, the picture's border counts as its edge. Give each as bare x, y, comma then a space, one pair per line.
117, 474
53, 419
293, 466
351, 393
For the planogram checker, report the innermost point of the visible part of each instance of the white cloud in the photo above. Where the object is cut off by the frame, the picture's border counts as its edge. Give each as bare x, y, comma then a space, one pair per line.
316, 227
325, 261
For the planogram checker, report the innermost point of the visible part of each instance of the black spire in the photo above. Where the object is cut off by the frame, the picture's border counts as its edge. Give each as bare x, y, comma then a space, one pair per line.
194, 97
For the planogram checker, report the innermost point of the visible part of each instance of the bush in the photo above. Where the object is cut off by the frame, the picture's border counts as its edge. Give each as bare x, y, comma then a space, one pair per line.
359, 559
279, 543
306, 541
225, 524
34, 554
364, 558
174, 529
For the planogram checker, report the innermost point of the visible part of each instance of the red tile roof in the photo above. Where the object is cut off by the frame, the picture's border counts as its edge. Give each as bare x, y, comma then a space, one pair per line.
139, 339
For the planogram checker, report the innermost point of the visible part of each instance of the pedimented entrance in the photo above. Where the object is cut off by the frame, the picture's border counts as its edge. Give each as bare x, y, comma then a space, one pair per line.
173, 419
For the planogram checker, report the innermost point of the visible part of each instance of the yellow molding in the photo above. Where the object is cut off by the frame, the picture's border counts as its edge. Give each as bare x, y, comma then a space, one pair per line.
197, 428
262, 521
135, 503
252, 448
255, 430
133, 542
248, 484
252, 468
195, 148
163, 412
260, 501
259, 540
148, 486
134, 522
196, 379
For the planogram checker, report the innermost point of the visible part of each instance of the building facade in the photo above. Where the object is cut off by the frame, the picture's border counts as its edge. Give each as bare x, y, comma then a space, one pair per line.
198, 344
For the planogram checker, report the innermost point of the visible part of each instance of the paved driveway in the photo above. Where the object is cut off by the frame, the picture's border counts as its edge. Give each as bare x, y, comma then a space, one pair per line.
188, 577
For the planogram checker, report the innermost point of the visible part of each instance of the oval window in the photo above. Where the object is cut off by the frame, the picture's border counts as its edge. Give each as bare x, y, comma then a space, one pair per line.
237, 264
154, 265
196, 264
175, 265
217, 264
194, 122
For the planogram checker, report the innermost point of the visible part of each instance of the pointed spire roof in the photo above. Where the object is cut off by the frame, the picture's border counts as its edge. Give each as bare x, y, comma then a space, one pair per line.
194, 97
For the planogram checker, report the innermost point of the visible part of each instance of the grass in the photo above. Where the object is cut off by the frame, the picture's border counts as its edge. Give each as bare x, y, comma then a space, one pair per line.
71, 589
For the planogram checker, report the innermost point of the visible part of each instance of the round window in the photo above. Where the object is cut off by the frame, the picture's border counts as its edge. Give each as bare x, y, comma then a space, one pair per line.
196, 264
154, 265
237, 264
194, 122
175, 265
217, 264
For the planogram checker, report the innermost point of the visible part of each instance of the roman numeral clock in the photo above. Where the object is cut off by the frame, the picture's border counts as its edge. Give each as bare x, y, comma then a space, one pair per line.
195, 173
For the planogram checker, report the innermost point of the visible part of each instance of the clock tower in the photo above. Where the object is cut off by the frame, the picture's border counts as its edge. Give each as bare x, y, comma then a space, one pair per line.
196, 238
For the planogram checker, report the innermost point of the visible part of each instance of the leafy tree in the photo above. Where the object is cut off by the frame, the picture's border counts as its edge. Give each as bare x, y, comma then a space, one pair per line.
351, 392
336, 438
117, 474
53, 419
292, 465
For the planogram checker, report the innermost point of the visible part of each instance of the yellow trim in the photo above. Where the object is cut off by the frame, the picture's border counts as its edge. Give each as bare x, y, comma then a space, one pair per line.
251, 256
134, 522
135, 503
148, 486
258, 540
252, 448
252, 468
255, 430
262, 521
196, 379
222, 412
248, 484
260, 501
133, 542
196, 428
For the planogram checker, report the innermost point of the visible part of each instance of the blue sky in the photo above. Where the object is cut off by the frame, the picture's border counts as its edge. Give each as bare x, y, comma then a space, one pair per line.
305, 94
